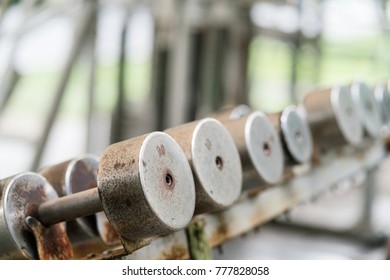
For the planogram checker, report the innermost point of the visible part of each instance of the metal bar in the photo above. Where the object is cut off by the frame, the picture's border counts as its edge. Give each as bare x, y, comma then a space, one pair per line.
91, 52
119, 114
70, 207
83, 28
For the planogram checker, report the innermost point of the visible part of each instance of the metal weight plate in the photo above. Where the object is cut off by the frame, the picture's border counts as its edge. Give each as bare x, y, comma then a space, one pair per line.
346, 114
382, 95
296, 134
368, 109
264, 147
21, 195
71, 177
216, 164
146, 186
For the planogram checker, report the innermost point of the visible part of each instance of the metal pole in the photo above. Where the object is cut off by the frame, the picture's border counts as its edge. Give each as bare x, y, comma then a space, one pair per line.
83, 27
91, 51
70, 207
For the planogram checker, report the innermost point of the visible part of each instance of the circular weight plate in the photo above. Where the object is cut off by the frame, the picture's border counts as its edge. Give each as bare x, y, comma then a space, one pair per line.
167, 180
216, 162
21, 197
81, 175
368, 108
297, 135
382, 95
240, 111
264, 147
346, 115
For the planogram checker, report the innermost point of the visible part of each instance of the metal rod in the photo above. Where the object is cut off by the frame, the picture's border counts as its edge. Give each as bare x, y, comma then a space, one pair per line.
91, 51
119, 114
70, 207
83, 28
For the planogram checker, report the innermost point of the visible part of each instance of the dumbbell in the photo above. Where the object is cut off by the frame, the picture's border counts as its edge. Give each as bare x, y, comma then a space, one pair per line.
145, 187
368, 109
76, 175
382, 95
333, 118
295, 134
259, 147
214, 160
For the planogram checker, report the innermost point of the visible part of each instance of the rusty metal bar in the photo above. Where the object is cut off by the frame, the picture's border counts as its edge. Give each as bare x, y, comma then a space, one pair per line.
70, 207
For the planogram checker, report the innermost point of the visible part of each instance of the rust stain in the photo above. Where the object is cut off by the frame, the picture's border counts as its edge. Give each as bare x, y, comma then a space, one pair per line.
110, 236
119, 165
221, 233
208, 144
161, 150
176, 252
52, 242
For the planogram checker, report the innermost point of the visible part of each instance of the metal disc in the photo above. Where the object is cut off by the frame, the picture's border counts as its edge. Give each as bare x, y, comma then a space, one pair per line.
81, 175
240, 111
20, 198
167, 181
382, 95
264, 147
297, 135
368, 108
216, 162
346, 115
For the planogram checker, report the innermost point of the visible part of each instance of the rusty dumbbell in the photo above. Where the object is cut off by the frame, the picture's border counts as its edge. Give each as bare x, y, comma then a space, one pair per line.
145, 187
295, 134
214, 160
73, 176
368, 109
259, 147
333, 118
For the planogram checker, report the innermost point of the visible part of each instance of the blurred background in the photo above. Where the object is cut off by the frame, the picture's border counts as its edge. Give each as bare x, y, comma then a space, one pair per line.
77, 75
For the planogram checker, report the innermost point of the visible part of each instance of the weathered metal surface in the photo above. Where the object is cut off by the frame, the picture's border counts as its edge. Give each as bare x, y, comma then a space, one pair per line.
106, 231
71, 207
368, 109
22, 193
333, 118
252, 211
52, 242
75, 176
70, 177
382, 95
214, 160
260, 149
146, 186
133, 245
169, 247
295, 134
